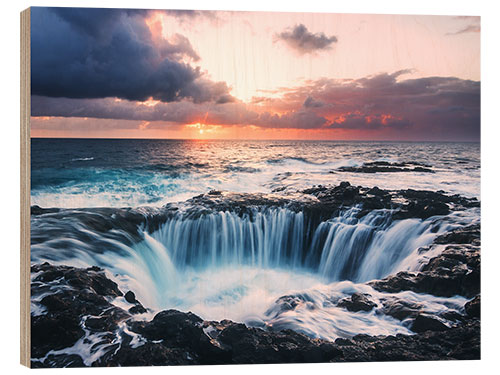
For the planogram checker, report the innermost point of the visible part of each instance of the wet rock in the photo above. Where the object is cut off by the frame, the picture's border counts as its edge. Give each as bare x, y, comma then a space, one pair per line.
252, 345
329, 200
54, 331
60, 360
452, 316
176, 328
149, 354
130, 297
456, 271
357, 302
37, 210
386, 167
92, 278
467, 235
376, 191
107, 320
425, 322
423, 209
288, 303
473, 307
400, 309
137, 309
77, 294
461, 342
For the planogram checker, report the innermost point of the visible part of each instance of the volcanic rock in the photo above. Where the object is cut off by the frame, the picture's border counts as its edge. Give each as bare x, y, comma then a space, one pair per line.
425, 322
386, 167
357, 302
473, 307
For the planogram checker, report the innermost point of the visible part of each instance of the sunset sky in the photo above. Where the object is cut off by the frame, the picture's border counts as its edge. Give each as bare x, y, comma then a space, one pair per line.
254, 75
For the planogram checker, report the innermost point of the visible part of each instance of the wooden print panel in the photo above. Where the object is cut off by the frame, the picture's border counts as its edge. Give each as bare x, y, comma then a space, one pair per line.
225, 187
25, 187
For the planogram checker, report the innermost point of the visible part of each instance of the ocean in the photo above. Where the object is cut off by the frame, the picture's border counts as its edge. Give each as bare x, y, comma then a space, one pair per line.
126, 206
74, 173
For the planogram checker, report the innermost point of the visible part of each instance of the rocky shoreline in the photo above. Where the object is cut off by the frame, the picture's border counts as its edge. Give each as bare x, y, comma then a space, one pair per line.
82, 310
178, 338
77, 310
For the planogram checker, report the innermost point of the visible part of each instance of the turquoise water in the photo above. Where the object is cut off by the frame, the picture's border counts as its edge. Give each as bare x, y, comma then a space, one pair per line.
119, 173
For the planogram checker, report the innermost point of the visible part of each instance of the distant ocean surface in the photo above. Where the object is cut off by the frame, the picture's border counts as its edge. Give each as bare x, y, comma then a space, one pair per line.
73, 173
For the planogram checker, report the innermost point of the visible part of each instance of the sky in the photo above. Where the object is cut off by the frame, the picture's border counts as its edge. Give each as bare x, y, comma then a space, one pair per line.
118, 73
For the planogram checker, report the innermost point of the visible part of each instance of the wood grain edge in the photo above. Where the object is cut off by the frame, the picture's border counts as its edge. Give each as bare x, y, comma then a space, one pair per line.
25, 349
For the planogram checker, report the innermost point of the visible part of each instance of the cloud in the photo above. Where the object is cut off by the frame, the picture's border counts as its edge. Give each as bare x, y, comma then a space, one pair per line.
303, 41
311, 103
182, 112
383, 106
360, 121
99, 53
429, 107
183, 14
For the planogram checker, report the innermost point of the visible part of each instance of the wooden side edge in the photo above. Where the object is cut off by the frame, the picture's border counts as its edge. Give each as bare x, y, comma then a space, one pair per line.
25, 352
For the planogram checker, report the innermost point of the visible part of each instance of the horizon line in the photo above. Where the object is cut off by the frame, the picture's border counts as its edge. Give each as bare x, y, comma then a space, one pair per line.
264, 140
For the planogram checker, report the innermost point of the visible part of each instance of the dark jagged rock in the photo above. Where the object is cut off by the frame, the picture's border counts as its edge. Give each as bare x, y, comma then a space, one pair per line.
77, 293
171, 326
387, 167
137, 308
149, 354
357, 302
130, 297
323, 202
461, 342
54, 331
214, 192
407, 203
60, 360
253, 345
425, 322
400, 309
228, 342
473, 307
466, 235
456, 271
90, 278
37, 210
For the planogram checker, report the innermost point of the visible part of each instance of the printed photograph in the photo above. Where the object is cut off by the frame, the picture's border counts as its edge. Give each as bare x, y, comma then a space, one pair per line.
228, 187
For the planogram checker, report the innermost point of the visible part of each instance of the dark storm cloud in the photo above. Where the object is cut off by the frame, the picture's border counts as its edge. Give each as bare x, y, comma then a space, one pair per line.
303, 41
99, 53
432, 107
